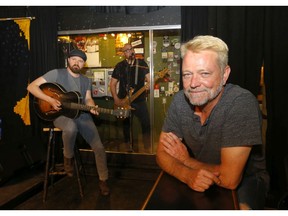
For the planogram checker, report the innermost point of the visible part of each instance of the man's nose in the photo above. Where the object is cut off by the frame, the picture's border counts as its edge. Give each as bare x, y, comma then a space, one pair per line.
195, 81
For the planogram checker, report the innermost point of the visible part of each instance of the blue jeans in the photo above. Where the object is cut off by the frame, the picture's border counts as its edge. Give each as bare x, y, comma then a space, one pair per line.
253, 190
85, 125
141, 112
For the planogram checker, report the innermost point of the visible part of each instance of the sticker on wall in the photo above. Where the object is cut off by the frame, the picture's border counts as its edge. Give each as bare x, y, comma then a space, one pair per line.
156, 93
170, 86
136, 43
170, 56
162, 89
139, 50
164, 54
176, 56
154, 47
166, 41
176, 88
91, 45
177, 45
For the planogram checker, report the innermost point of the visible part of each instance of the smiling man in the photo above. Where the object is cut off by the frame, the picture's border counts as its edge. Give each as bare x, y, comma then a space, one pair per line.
212, 132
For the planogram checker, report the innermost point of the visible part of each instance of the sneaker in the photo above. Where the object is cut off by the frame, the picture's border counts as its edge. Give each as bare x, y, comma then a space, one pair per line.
104, 189
69, 166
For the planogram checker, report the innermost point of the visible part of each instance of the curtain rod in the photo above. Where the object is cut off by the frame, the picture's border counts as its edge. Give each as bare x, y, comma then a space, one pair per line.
16, 18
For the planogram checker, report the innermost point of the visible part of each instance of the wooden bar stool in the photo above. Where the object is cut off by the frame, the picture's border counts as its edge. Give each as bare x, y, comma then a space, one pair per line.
52, 168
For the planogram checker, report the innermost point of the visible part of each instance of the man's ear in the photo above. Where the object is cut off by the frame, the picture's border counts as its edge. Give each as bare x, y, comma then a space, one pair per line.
226, 74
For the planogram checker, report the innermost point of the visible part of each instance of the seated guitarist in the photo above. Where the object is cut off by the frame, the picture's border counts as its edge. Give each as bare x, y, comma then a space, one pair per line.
131, 74
71, 79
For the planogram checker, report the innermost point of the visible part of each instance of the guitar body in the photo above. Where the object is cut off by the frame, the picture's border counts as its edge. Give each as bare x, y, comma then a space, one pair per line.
125, 102
46, 112
71, 104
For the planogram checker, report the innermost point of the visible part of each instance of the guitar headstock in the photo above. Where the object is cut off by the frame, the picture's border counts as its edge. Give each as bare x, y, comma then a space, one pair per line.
121, 113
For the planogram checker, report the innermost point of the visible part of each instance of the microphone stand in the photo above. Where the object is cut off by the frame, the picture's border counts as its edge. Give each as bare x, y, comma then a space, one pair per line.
130, 64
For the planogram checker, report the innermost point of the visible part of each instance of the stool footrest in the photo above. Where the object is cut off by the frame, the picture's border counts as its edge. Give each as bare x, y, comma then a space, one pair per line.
57, 173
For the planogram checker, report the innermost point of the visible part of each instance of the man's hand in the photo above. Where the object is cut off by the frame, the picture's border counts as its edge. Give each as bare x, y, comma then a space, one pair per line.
119, 102
174, 147
200, 180
94, 110
56, 104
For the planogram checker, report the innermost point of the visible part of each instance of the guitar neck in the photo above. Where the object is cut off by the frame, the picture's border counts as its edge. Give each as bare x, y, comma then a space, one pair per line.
141, 90
84, 107
128, 100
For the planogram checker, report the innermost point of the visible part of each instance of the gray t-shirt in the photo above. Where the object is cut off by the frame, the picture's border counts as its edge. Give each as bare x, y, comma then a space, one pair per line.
68, 82
235, 121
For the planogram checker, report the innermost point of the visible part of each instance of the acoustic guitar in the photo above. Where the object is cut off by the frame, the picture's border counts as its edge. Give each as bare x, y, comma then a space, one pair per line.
131, 97
70, 103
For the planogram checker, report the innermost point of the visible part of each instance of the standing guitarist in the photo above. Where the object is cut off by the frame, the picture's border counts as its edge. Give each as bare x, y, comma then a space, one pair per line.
71, 79
131, 74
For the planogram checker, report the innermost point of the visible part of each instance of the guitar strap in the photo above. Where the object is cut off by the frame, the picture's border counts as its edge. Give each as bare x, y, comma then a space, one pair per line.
136, 72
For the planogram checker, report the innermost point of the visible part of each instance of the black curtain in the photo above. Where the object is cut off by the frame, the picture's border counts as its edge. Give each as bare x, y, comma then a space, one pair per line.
241, 28
14, 72
21, 145
194, 21
276, 77
255, 36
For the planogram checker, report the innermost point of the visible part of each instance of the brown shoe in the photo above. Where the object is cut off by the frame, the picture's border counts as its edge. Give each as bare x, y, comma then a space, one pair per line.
104, 189
69, 166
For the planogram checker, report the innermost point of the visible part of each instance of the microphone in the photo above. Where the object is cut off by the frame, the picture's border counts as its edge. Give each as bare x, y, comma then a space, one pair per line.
131, 57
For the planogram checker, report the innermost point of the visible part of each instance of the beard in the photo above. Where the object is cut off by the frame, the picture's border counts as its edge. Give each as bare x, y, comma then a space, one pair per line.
206, 95
74, 68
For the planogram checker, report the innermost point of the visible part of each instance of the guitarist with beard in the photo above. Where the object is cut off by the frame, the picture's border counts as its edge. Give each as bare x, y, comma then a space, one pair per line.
131, 74
72, 80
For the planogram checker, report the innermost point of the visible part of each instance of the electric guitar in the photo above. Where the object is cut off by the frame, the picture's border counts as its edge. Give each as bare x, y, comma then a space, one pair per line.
70, 103
131, 97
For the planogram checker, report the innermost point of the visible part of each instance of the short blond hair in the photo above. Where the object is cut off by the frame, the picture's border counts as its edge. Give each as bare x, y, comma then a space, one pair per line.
208, 42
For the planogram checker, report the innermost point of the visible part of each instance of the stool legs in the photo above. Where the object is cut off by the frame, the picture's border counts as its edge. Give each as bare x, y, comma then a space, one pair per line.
51, 139
78, 176
50, 165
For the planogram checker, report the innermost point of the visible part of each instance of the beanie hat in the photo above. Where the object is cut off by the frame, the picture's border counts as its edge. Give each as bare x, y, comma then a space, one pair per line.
79, 53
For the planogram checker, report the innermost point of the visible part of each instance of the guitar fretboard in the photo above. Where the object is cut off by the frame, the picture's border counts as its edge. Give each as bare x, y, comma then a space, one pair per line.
141, 90
87, 108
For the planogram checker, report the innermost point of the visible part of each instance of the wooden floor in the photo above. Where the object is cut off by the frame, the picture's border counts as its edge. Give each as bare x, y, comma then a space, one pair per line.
131, 177
129, 185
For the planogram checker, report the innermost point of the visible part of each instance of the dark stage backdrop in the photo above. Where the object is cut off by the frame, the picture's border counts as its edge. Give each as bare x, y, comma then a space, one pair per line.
14, 73
276, 78
255, 36
22, 145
